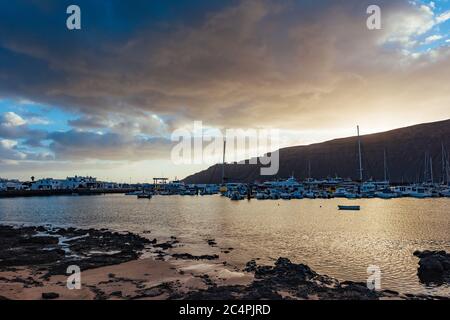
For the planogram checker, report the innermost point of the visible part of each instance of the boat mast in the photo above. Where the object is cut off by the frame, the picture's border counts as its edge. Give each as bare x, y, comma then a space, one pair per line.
431, 169
443, 163
360, 158
425, 169
447, 168
223, 159
385, 165
309, 169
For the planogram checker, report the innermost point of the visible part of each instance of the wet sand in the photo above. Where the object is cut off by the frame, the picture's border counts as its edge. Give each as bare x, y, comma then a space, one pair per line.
34, 261
140, 279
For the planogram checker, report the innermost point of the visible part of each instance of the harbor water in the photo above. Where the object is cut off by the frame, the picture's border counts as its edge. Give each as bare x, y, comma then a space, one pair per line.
341, 244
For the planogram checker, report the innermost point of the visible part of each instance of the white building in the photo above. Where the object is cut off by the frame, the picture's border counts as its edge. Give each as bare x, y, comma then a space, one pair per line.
80, 182
47, 184
69, 183
11, 185
110, 185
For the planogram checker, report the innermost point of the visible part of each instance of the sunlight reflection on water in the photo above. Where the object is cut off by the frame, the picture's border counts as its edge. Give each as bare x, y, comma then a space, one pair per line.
341, 244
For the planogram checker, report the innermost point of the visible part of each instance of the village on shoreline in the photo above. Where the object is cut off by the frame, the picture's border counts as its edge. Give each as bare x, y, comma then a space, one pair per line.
285, 189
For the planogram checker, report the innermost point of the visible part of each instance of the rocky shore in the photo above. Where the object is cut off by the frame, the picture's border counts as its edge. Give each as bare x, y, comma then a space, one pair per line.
53, 249
434, 267
286, 280
123, 265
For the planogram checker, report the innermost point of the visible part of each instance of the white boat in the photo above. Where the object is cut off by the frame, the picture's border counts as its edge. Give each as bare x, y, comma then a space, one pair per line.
274, 195
285, 196
350, 195
133, 193
368, 187
435, 194
289, 183
236, 196
386, 194
325, 195
420, 193
310, 195
340, 193
261, 196
297, 195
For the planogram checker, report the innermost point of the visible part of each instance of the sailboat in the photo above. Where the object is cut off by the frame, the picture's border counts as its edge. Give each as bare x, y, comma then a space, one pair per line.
355, 195
386, 193
223, 188
350, 195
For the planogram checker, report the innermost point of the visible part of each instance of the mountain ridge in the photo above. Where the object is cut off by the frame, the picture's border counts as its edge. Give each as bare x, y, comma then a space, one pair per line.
405, 154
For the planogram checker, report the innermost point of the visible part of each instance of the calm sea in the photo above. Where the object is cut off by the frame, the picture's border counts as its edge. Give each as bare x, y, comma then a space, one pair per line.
341, 244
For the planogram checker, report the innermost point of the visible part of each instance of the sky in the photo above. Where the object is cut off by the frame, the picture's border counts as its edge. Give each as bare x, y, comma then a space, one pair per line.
104, 100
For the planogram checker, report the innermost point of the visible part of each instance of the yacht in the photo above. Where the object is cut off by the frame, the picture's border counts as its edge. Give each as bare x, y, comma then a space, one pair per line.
236, 196
310, 195
340, 193
420, 193
351, 195
403, 191
262, 196
297, 195
133, 193
285, 196
274, 194
386, 194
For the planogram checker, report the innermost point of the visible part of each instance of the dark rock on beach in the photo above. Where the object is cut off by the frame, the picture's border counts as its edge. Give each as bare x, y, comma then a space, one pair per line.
286, 280
54, 249
434, 266
50, 295
211, 242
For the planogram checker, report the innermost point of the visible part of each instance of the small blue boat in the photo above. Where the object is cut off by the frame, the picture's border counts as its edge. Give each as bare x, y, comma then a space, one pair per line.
355, 208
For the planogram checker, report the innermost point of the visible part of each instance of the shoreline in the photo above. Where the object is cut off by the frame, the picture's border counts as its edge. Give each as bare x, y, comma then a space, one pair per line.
62, 192
123, 265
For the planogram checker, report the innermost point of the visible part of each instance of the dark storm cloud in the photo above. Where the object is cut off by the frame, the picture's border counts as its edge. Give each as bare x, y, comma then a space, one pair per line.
250, 63
230, 63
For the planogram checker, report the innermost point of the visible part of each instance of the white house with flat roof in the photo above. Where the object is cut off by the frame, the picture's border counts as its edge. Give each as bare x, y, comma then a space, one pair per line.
69, 183
11, 185
80, 182
47, 184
